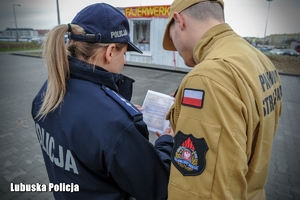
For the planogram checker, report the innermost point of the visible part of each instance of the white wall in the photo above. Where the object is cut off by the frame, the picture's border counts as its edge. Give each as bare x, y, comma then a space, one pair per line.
157, 55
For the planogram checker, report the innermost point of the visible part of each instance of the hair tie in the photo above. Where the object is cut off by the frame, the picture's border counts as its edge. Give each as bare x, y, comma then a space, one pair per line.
69, 28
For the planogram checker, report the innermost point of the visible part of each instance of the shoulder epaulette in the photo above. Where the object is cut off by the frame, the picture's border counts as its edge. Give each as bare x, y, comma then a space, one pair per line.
129, 107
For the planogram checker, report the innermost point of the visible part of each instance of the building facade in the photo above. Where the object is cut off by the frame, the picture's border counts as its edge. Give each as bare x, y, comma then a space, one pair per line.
283, 40
147, 26
22, 33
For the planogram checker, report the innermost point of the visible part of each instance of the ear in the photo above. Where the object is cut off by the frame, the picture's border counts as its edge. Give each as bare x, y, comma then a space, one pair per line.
179, 20
109, 53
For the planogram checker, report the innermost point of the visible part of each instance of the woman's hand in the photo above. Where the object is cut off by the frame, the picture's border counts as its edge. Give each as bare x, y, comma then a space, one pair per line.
168, 131
138, 107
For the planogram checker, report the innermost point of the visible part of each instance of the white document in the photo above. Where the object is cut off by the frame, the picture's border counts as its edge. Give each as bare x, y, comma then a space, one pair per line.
155, 107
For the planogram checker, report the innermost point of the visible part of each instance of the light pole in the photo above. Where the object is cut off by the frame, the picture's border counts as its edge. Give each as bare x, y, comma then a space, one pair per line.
12, 24
17, 35
267, 22
57, 8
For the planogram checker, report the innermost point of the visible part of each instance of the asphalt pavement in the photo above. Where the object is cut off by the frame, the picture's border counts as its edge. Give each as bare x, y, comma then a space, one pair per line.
21, 158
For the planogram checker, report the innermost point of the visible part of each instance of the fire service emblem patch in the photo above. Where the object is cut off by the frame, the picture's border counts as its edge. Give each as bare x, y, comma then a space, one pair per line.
189, 154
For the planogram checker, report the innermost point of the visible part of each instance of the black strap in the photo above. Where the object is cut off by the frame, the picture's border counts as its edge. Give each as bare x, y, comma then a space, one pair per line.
69, 28
91, 38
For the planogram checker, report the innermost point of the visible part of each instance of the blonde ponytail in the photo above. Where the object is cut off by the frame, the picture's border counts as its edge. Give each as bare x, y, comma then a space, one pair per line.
56, 60
55, 54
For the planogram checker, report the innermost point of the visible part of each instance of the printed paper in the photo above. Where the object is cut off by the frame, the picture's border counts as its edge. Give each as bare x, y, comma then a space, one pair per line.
155, 107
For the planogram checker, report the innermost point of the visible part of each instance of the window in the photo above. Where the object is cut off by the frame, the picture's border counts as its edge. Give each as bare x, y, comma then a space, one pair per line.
141, 34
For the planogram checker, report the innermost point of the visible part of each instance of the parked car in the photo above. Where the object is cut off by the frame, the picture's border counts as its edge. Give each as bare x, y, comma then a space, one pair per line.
276, 51
291, 52
263, 49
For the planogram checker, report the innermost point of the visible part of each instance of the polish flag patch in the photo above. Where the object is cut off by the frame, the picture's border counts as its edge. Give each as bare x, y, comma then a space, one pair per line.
193, 98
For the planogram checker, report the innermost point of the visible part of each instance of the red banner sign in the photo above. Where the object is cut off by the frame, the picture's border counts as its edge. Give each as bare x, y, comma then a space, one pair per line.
147, 11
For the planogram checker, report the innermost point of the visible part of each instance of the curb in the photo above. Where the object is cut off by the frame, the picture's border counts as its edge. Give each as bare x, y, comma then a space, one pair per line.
153, 66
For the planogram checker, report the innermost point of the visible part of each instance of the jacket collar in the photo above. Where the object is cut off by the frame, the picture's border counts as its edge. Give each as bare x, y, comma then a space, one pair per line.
85, 71
203, 46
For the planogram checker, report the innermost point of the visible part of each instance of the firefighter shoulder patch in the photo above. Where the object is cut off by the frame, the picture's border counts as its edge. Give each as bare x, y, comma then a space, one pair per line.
193, 98
189, 154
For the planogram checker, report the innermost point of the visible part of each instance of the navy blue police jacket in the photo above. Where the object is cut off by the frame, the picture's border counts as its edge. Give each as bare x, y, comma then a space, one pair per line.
95, 144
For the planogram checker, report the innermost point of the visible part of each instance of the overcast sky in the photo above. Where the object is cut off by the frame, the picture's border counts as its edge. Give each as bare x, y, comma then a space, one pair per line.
246, 17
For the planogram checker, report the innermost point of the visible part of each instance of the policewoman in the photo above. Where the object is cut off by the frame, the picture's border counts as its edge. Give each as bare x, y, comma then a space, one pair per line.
91, 136
226, 110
